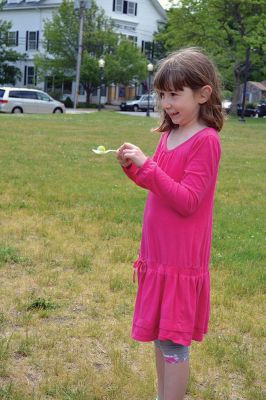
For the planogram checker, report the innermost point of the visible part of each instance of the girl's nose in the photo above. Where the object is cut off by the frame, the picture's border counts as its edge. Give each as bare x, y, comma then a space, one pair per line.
165, 104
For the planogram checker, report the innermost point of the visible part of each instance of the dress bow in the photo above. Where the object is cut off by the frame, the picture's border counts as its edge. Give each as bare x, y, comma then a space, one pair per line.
139, 265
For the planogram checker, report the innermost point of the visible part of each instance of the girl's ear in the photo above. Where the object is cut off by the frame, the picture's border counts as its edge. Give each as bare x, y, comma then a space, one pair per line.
204, 94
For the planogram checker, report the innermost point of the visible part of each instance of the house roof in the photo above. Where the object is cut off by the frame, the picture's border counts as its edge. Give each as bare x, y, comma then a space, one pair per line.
158, 7
259, 85
29, 4
43, 3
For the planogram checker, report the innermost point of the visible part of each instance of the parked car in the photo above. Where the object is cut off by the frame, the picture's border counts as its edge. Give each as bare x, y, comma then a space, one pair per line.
261, 110
248, 112
22, 100
140, 103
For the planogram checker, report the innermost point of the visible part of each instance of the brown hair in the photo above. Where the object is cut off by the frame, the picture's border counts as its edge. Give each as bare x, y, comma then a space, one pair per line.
191, 68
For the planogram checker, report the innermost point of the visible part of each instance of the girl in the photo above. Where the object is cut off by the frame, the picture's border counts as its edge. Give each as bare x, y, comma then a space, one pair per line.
173, 298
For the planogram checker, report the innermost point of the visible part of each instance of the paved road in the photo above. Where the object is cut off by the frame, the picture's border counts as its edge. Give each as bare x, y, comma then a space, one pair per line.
80, 110
139, 114
92, 110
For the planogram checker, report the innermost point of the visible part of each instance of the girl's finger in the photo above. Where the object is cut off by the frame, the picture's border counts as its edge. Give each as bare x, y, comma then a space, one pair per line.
129, 146
129, 151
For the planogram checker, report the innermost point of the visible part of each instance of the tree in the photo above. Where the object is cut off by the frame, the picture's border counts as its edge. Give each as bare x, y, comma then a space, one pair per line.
228, 30
8, 73
99, 40
126, 64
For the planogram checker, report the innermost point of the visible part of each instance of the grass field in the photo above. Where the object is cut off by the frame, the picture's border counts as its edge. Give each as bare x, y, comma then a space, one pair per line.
70, 227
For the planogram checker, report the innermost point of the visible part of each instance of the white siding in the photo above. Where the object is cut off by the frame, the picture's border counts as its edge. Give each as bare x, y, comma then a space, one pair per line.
30, 16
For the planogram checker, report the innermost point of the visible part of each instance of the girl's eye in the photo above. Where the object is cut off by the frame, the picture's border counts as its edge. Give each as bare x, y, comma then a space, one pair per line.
161, 94
174, 94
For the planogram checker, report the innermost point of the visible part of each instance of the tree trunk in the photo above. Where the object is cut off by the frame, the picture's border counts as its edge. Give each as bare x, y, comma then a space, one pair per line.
88, 94
236, 92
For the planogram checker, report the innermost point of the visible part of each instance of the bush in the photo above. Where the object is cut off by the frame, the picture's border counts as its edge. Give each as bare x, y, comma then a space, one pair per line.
68, 102
251, 105
41, 304
86, 105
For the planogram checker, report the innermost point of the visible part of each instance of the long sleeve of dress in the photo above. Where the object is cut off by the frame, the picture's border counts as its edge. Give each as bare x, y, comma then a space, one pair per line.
186, 195
132, 171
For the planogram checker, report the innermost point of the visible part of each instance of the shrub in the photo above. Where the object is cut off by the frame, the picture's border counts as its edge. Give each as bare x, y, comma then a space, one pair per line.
86, 105
68, 102
251, 105
8, 255
41, 304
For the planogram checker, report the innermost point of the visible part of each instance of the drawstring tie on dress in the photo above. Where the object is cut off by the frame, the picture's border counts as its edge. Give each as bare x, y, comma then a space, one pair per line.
139, 265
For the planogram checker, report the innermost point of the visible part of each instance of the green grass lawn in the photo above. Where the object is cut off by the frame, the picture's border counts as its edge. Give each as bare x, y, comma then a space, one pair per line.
70, 227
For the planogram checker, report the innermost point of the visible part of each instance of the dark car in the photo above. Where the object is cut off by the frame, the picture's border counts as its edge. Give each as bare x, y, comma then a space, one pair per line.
261, 110
248, 112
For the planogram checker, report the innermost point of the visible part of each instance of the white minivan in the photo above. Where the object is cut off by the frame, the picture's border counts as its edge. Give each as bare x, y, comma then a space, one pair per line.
32, 101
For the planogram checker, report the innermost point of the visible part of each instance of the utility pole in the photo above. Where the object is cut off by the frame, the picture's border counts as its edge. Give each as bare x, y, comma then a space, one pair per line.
81, 5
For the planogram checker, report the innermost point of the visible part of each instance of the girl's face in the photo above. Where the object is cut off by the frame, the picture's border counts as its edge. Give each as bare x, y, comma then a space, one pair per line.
182, 106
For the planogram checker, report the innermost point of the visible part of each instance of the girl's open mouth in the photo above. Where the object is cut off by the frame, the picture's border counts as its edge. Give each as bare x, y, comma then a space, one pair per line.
174, 114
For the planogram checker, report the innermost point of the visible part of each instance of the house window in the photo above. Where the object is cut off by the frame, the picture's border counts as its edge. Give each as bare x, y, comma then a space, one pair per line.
125, 7
130, 8
133, 39
147, 48
67, 87
48, 83
12, 38
29, 76
32, 40
118, 4
153, 50
56, 86
121, 91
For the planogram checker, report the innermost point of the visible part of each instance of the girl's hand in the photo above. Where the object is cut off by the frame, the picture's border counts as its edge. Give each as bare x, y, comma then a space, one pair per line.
133, 153
124, 162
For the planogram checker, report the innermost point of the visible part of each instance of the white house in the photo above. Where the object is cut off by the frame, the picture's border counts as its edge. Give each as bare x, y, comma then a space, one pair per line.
138, 20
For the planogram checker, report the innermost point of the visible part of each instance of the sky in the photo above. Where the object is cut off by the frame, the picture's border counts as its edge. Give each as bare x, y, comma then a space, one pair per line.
164, 3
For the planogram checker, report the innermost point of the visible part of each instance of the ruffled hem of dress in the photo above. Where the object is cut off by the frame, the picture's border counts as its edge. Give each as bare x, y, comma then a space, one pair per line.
171, 304
185, 338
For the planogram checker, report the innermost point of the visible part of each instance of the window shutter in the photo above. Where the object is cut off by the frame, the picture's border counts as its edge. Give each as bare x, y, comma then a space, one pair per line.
35, 76
136, 8
125, 7
113, 5
27, 39
17, 38
142, 46
25, 75
37, 41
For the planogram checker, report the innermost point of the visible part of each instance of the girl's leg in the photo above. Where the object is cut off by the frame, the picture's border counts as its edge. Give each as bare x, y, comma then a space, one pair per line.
160, 371
175, 380
173, 360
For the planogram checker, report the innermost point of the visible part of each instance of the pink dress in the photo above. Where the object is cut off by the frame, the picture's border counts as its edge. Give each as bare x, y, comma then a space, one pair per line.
173, 297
